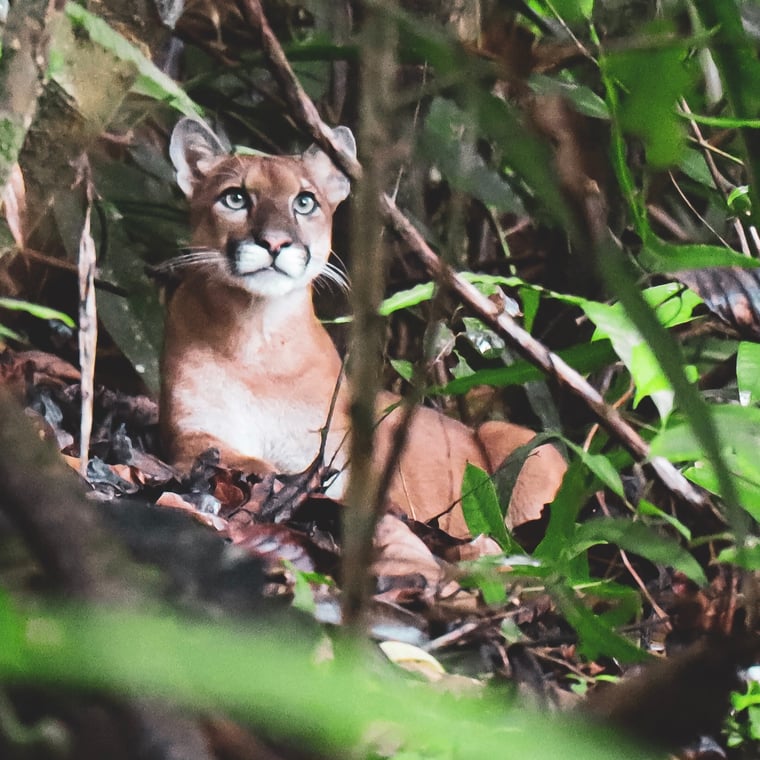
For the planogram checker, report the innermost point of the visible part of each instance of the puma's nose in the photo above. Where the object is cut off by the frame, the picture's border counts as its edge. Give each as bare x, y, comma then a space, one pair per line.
274, 241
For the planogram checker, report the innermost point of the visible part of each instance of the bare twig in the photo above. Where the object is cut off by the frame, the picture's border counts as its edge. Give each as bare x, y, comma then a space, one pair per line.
721, 183
88, 320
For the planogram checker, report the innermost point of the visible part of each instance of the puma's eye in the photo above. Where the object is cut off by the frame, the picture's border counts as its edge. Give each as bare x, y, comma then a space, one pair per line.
234, 199
304, 203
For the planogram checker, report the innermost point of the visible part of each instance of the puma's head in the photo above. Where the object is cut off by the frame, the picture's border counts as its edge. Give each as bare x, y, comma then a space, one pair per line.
262, 222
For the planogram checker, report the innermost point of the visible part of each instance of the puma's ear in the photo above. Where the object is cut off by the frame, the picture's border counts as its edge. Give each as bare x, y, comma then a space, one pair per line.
331, 180
193, 150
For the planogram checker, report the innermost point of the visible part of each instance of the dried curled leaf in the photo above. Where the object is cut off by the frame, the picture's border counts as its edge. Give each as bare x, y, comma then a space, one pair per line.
731, 293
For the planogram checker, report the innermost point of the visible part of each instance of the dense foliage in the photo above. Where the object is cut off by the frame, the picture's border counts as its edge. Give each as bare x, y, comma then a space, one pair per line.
590, 166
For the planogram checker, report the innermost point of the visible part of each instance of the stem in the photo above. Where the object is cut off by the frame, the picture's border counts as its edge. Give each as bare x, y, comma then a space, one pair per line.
377, 69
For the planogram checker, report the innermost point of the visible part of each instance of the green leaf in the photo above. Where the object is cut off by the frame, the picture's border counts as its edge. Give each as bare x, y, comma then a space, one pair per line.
723, 122
739, 200
646, 508
738, 436
41, 312
583, 99
484, 340
151, 80
481, 508
746, 477
673, 306
8, 334
657, 256
595, 637
652, 80
531, 299
640, 539
404, 368
573, 11
405, 299
737, 427
748, 557
267, 675
576, 487
586, 357
748, 372
601, 466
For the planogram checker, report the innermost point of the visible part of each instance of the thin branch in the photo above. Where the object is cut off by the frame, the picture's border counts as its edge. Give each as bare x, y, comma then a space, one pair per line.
88, 319
535, 351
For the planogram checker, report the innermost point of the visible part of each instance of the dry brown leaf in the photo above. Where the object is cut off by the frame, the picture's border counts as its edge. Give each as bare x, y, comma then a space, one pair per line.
401, 554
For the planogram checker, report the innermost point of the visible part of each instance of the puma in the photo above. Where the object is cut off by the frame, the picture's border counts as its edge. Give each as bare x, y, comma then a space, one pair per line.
248, 368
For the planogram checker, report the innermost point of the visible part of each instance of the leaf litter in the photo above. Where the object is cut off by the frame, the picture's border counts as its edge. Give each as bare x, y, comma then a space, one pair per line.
221, 538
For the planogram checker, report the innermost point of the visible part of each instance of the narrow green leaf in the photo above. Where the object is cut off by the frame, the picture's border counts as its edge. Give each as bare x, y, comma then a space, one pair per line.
723, 122
481, 508
583, 99
595, 638
7, 333
601, 466
657, 256
405, 299
41, 312
645, 507
640, 539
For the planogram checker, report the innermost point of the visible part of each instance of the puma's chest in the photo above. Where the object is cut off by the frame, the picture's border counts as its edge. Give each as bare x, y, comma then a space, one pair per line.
279, 423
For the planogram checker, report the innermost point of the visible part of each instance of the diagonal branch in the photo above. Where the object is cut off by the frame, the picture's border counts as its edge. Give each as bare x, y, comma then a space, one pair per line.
305, 112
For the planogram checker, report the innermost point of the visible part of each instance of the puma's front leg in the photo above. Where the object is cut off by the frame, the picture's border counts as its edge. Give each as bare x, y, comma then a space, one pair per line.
185, 449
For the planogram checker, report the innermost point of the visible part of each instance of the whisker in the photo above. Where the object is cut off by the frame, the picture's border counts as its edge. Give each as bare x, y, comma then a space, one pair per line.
191, 258
332, 274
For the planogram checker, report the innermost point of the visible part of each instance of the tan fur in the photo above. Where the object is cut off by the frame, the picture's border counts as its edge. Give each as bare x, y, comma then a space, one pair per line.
248, 368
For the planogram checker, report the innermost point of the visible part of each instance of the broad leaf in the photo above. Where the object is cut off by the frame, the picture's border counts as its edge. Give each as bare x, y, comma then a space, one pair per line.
450, 142
481, 508
748, 372
673, 306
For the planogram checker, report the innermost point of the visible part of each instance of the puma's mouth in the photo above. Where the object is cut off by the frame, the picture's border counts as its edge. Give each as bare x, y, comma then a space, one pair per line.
259, 266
